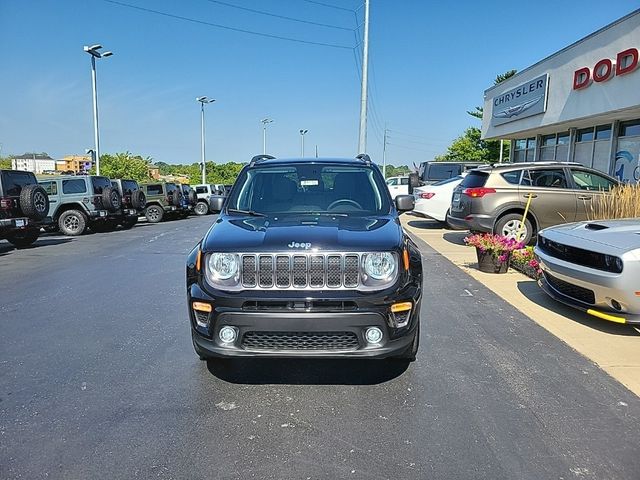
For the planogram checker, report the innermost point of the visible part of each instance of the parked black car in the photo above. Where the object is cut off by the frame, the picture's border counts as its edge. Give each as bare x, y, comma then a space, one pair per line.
189, 200
23, 207
308, 258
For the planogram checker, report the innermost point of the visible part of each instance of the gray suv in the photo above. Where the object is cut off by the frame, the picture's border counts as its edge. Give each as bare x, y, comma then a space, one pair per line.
78, 202
494, 199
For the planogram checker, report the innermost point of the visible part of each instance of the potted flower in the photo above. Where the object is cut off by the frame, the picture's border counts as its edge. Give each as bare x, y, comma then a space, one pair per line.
493, 251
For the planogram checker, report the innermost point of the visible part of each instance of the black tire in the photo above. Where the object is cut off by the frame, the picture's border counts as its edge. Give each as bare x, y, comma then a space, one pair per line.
201, 208
193, 198
176, 198
509, 225
72, 223
138, 199
154, 213
23, 238
34, 202
129, 223
111, 199
410, 353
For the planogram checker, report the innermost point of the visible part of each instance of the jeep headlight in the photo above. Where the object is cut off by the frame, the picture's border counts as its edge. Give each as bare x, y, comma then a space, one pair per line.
223, 268
380, 266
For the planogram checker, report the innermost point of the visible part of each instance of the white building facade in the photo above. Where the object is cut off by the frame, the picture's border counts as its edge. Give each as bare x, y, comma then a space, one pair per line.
36, 163
581, 104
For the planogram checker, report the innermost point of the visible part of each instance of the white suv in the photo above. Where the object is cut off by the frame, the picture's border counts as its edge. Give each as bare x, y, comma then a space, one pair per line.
204, 191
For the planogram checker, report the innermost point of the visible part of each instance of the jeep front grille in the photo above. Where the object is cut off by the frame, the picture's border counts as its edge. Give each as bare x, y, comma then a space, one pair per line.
300, 341
302, 271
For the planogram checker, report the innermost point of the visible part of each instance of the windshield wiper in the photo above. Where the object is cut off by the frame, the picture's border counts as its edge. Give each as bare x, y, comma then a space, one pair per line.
246, 212
327, 214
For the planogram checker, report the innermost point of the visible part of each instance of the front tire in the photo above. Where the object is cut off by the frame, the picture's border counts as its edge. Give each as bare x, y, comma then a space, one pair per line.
201, 208
72, 223
154, 213
510, 224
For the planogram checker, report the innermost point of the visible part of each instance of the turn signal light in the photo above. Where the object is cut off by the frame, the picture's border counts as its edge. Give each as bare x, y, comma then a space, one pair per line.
202, 307
405, 259
427, 195
478, 192
401, 307
198, 260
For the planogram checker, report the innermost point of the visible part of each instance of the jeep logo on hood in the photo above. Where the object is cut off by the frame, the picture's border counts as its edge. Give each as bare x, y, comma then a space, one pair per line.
306, 246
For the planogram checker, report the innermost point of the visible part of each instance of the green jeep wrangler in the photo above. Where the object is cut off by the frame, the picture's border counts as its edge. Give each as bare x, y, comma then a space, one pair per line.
78, 202
163, 200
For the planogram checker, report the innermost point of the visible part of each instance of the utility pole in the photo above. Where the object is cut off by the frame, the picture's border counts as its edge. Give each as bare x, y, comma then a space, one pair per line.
265, 122
362, 142
501, 144
316, 151
384, 154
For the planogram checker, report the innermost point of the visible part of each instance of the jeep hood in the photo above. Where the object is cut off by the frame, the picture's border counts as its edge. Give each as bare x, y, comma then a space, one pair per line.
598, 235
324, 233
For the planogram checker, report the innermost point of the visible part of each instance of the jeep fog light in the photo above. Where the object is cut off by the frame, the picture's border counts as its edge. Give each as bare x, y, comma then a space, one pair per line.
373, 335
228, 334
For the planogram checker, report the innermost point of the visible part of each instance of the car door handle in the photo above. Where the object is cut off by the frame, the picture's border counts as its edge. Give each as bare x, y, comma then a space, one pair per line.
584, 197
531, 195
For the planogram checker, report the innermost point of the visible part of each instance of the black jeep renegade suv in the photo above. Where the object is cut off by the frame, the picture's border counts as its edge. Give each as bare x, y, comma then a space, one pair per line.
307, 258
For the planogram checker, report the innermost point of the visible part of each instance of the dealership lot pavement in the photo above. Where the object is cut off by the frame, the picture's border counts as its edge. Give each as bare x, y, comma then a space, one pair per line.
98, 380
615, 348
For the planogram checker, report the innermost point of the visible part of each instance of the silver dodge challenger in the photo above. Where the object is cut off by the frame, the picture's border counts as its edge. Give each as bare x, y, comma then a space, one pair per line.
593, 266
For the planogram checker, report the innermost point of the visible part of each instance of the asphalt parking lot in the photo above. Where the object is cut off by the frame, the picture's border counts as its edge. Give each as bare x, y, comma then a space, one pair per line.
98, 379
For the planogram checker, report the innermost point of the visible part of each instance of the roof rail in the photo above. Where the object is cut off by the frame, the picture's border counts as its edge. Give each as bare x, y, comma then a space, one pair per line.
259, 158
515, 164
364, 157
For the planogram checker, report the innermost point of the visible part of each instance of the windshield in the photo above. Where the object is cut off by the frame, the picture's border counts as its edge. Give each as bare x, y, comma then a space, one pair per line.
311, 188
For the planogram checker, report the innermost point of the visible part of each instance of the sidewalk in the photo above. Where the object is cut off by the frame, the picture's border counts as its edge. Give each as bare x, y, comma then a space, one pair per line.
615, 348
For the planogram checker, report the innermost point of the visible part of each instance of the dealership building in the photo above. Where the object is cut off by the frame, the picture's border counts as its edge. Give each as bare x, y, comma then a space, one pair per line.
581, 104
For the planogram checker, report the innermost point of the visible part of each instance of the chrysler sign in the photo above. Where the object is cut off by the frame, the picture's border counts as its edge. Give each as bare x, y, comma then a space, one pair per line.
520, 102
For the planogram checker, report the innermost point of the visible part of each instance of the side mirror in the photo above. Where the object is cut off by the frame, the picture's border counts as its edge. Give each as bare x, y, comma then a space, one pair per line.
405, 203
215, 203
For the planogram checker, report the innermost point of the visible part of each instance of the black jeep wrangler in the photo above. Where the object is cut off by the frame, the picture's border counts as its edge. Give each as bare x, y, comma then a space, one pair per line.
308, 258
133, 202
24, 206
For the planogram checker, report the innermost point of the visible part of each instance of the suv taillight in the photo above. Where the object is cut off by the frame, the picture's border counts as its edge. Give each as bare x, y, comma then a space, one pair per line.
427, 195
478, 192
6, 203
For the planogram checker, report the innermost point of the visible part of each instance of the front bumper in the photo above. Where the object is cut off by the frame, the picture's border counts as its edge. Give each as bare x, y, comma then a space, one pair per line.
253, 314
564, 282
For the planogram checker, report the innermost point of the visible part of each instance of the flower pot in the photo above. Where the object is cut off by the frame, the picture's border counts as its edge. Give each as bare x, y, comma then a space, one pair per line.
489, 264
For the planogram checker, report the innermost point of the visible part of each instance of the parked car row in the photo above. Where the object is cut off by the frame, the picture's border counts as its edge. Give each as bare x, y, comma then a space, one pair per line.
494, 198
72, 204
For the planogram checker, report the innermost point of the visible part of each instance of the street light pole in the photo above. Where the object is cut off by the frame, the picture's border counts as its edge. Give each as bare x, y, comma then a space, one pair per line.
362, 142
94, 52
302, 134
265, 122
202, 101
384, 155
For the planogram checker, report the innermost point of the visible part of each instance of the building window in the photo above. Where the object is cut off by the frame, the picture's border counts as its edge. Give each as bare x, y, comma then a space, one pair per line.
555, 147
592, 147
627, 166
525, 150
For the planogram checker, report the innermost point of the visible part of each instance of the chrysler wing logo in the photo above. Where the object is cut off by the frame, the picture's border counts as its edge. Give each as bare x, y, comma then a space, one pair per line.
516, 110
305, 246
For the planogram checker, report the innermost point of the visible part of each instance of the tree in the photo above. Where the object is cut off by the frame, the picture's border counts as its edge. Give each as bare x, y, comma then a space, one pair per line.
124, 165
5, 163
470, 148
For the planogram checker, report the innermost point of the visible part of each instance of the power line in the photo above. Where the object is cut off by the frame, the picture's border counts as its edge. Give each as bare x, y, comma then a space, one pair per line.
409, 148
329, 5
225, 27
260, 12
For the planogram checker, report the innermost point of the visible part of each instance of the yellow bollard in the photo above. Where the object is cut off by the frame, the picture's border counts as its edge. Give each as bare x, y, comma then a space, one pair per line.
526, 210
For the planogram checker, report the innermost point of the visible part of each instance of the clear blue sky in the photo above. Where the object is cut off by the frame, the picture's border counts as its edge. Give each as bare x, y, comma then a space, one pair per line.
430, 62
